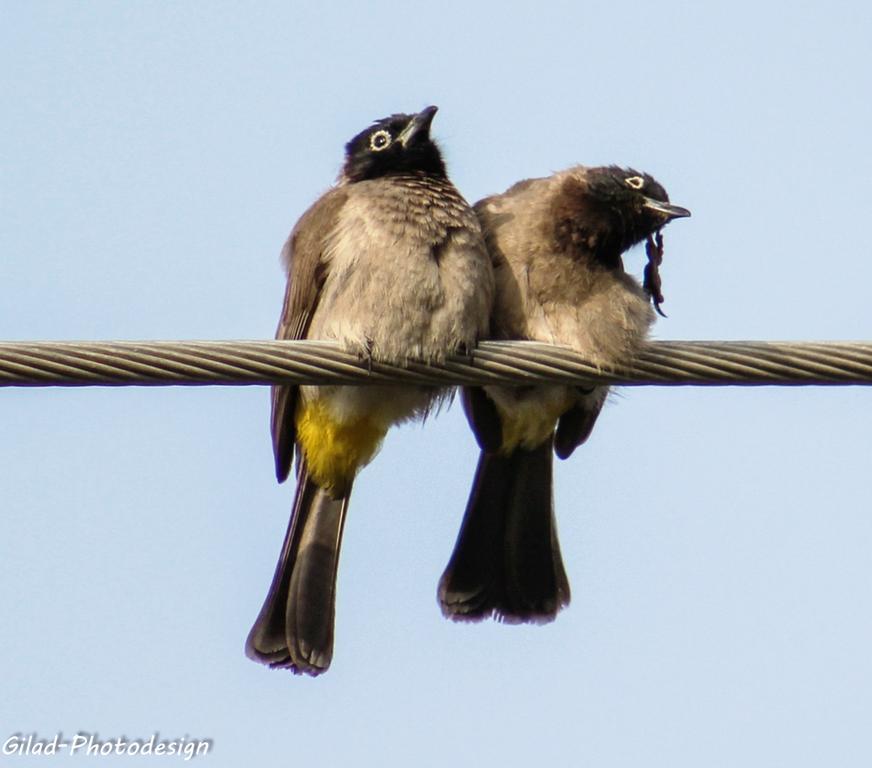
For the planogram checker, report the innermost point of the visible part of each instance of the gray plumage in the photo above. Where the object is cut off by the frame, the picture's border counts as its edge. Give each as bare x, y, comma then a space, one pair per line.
557, 244
391, 264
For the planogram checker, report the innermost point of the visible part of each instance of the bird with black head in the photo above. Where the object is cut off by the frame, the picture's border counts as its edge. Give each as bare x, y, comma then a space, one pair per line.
391, 264
558, 245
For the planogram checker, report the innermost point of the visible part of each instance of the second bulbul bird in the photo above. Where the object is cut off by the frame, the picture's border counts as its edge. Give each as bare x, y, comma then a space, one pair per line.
557, 245
391, 264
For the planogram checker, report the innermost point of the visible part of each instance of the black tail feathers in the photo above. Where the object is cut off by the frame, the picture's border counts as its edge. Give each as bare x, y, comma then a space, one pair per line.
294, 629
506, 562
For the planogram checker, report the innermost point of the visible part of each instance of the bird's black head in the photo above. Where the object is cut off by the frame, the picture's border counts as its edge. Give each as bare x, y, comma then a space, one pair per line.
630, 207
636, 203
395, 144
598, 213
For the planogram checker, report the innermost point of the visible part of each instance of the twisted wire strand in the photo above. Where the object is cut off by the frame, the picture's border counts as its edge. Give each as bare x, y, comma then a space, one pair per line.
665, 363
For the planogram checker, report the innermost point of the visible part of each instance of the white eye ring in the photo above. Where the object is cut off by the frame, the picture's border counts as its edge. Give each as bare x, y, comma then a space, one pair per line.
379, 140
636, 182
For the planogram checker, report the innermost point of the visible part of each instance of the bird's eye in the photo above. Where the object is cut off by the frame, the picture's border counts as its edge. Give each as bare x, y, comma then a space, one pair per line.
379, 140
636, 182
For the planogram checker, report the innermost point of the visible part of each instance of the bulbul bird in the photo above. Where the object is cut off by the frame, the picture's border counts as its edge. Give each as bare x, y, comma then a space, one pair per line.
390, 263
557, 245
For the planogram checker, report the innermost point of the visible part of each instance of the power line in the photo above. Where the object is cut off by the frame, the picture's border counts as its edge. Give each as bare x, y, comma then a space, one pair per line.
233, 363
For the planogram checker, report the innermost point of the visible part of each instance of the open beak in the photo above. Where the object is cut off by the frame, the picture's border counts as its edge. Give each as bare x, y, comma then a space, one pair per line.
419, 124
667, 210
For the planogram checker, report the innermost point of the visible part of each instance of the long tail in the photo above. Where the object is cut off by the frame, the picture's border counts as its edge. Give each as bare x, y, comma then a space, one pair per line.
294, 629
506, 562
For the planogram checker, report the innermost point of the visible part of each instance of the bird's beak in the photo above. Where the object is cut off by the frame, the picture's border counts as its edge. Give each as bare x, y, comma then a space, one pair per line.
667, 210
420, 123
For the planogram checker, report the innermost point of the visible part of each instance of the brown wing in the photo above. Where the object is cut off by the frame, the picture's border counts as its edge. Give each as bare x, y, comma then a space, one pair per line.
575, 426
483, 418
303, 255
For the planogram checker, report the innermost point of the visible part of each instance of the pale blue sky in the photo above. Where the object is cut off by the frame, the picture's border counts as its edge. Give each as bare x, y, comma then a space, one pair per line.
155, 156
